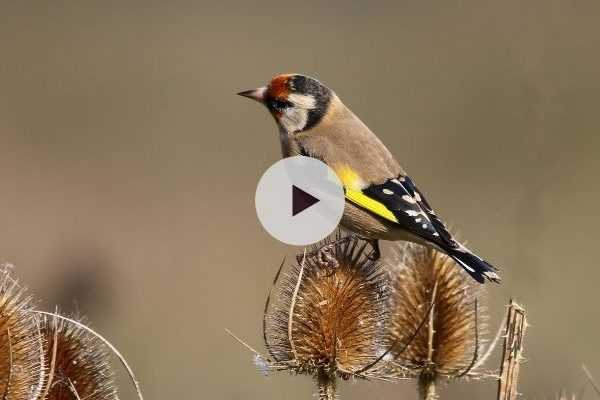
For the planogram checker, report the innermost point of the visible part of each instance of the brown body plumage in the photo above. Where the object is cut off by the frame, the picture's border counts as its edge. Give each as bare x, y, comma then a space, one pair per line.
342, 139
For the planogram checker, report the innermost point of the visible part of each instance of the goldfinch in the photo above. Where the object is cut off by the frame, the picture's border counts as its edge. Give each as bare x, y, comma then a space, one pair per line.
382, 201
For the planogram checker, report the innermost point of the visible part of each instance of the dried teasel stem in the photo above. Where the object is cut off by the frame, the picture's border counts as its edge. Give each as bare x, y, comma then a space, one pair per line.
326, 383
427, 379
512, 355
427, 387
431, 330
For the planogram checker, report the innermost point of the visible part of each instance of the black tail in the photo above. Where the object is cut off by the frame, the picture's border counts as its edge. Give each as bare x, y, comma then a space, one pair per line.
478, 268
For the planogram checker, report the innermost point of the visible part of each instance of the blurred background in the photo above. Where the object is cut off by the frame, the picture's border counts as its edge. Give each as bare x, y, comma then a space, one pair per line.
128, 166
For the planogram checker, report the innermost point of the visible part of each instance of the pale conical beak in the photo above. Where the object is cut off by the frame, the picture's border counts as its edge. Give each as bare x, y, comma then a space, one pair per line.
255, 94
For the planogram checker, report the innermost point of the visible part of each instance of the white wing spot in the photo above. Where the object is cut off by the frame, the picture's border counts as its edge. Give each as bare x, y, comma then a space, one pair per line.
388, 191
424, 226
418, 220
436, 234
409, 199
412, 213
491, 275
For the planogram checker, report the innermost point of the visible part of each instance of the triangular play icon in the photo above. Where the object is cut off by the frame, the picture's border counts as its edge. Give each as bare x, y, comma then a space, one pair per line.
301, 200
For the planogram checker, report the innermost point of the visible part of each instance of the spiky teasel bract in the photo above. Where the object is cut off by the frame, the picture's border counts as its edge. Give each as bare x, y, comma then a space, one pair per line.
563, 395
21, 348
591, 379
329, 314
78, 363
436, 317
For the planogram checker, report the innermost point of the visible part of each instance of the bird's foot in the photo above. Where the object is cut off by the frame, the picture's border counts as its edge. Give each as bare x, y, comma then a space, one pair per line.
323, 257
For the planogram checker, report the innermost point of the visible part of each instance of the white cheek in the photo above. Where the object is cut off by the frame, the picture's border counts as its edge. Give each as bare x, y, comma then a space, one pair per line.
302, 101
294, 119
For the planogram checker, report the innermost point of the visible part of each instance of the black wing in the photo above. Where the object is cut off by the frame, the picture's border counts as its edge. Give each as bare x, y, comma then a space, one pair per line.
411, 209
414, 214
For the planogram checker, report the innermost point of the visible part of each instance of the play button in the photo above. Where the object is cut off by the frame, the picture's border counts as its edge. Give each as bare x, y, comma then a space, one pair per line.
299, 200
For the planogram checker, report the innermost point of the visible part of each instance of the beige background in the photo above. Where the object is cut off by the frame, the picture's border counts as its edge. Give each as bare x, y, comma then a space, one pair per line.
128, 165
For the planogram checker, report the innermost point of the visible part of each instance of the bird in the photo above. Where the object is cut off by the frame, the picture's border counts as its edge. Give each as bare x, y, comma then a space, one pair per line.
382, 202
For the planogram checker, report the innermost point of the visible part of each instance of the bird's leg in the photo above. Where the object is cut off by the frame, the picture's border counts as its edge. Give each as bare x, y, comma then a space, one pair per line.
326, 249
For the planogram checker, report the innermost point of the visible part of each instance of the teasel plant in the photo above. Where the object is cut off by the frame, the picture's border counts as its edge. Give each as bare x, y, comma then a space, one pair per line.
21, 342
338, 314
326, 317
48, 356
437, 319
78, 362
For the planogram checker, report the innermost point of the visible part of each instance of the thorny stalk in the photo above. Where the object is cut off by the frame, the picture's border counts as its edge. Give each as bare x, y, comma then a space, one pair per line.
326, 384
427, 379
427, 387
512, 354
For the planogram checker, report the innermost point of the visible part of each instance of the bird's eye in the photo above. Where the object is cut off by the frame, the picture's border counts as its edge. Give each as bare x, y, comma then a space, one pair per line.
281, 105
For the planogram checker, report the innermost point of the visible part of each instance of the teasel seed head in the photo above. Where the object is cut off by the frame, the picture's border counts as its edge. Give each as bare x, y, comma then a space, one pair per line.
21, 347
78, 365
436, 317
329, 314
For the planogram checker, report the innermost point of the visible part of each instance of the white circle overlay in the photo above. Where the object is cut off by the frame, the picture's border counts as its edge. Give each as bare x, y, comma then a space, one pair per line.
273, 200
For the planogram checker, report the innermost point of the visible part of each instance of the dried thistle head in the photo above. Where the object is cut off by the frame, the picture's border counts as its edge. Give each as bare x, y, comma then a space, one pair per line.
330, 312
436, 318
21, 348
78, 364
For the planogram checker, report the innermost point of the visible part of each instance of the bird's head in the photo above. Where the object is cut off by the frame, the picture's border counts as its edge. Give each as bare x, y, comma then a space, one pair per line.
297, 102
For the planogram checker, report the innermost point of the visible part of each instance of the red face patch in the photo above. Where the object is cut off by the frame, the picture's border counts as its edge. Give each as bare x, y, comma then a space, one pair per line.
278, 88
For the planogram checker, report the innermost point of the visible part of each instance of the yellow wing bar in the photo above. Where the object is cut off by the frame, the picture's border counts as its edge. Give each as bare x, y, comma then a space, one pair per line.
364, 201
353, 184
